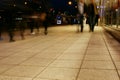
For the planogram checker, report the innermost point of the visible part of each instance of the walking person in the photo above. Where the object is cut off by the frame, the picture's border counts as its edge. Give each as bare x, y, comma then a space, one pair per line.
1, 27
10, 24
92, 12
31, 25
45, 18
118, 13
96, 19
46, 23
22, 25
82, 10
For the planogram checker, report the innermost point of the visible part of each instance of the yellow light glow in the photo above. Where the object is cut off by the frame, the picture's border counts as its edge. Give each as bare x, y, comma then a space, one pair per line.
70, 3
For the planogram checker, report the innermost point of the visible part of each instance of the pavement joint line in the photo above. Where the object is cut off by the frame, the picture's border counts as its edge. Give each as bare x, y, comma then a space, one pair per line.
38, 53
53, 60
15, 52
110, 54
83, 58
32, 39
16, 65
29, 57
20, 42
66, 48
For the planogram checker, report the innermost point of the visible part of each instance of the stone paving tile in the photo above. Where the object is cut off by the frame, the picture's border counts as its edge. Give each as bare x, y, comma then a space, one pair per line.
47, 55
117, 65
23, 71
77, 48
119, 72
24, 54
71, 57
114, 48
6, 53
97, 52
97, 46
98, 57
58, 56
37, 62
91, 74
1, 58
66, 64
43, 79
115, 52
59, 74
98, 65
74, 53
5, 67
12, 60
13, 78
116, 57
93, 48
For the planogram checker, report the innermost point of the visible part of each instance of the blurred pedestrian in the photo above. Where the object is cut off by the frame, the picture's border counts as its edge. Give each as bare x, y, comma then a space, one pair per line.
10, 24
31, 25
96, 19
46, 21
22, 25
92, 12
118, 13
1, 27
36, 24
82, 10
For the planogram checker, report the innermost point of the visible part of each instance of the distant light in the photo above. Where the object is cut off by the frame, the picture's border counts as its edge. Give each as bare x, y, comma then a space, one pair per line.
14, 5
34, 16
108, 1
70, 3
75, 6
116, 10
25, 3
98, 7
40, 7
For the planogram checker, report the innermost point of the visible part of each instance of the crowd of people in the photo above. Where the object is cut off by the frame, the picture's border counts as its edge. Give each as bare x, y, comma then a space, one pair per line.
88, 11
11, 24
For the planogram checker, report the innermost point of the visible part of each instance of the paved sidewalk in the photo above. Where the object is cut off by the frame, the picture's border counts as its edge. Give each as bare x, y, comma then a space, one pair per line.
63, 54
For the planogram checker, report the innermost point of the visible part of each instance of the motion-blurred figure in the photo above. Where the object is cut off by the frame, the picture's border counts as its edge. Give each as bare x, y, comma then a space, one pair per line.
82, 10
1, 27
10, 24
92, 12
118, 13
31, 25
22, 25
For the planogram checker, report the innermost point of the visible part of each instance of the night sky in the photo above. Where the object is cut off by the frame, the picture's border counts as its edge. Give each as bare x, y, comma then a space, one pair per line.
59, 3
62, 5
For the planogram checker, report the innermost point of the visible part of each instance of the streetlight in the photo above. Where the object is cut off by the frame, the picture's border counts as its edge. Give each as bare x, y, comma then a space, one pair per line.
70, 2
14, 5
25, 3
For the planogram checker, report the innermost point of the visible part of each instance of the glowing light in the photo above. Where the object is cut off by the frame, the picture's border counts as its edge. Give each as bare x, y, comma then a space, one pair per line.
75, 6
25, 3
70, 3
14, 5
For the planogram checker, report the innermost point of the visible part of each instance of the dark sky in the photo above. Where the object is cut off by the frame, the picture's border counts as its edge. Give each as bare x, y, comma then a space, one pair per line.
59, 4
62, 5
